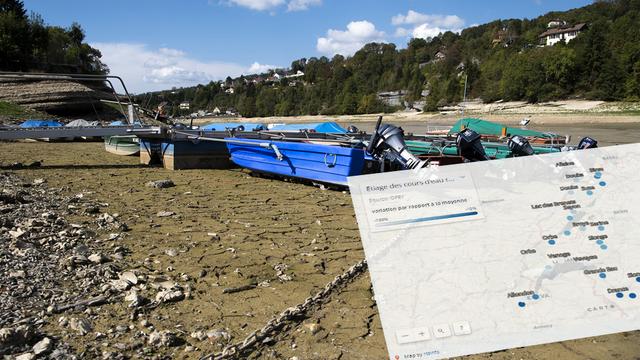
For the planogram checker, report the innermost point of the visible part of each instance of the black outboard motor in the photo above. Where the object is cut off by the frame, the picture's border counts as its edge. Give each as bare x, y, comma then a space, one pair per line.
470, 147
352, 129
519, 146
587, 143
388, 141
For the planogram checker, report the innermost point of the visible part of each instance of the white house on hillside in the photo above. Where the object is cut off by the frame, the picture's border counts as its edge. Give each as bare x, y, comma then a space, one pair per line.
296, 75
556, 34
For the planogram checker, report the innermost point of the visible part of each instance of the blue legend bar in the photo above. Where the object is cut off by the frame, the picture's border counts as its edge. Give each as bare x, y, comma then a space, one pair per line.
430, 218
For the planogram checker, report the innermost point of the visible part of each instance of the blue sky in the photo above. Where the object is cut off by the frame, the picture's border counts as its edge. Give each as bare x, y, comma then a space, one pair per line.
163, 43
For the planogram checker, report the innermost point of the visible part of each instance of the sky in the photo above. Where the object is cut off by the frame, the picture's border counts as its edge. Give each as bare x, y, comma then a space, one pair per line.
159, 44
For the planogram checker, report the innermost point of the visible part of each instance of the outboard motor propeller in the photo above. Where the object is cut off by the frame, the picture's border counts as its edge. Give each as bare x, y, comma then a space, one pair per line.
352, 129
519, 146
587, 143
388, 140
470, 147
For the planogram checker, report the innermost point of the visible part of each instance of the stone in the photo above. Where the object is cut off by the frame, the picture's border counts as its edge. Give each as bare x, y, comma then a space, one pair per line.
43, 346
122, 328
171, 252
26, 356
120, 285
199, 335
16, 234
168, 295
280, 269
39, 182
160, 184
165, 213
18, 274
164, 338
218, 336
129, 277
313, 328
145, 323
98, 258
106, 219
135, 299
80, 325
213, 236
15, 336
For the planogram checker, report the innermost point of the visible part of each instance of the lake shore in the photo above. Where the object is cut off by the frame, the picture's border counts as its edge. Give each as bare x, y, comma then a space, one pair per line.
510, 113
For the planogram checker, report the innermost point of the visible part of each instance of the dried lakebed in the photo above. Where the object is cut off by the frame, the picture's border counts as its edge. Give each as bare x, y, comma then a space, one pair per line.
96, 264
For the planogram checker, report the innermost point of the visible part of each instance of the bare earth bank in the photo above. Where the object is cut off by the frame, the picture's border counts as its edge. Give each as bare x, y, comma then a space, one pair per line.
261, 223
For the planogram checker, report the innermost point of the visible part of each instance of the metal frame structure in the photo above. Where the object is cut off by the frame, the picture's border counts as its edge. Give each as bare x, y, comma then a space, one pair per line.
72, 132
78, 77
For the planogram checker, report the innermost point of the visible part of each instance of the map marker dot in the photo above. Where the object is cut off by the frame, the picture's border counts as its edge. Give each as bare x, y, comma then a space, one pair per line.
638, 279
552, 242
603, 275
589, 192
604, 247
619, 295
567, 233
570, 218
602, 183
536, 296
632, 295
600, 242
601, 228
521, 304
597, 175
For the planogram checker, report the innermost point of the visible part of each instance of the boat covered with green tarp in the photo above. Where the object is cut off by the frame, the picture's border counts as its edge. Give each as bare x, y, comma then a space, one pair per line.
491, 129
493, 150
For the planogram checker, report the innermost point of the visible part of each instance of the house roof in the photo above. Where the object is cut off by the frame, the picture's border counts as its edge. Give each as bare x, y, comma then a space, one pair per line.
578, 27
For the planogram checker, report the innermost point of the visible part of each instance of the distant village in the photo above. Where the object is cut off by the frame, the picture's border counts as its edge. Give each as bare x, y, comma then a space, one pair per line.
557, 31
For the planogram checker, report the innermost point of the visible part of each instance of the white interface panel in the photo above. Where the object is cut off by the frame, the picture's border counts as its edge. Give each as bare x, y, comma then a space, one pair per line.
500, 254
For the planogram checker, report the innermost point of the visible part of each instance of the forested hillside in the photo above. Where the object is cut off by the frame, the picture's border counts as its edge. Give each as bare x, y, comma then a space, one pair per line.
500, 60
28, 44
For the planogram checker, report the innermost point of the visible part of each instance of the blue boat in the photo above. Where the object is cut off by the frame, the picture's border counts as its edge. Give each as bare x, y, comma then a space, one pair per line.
123, 123
325, 127
330, 164
33, 123
233, 126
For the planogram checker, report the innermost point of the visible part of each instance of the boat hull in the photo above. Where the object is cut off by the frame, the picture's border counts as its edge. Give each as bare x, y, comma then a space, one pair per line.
328, 164
127, 145
182, 155
493, 150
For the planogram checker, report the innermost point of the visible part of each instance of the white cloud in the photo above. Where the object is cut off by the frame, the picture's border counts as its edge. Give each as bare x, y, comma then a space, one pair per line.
258, 5
145, 69
257, 68
347, 42
416, 18
262, 5
426, 25
425, 31
299, 5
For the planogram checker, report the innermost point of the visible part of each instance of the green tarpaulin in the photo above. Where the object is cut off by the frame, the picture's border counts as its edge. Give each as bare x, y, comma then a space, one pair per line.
485, 127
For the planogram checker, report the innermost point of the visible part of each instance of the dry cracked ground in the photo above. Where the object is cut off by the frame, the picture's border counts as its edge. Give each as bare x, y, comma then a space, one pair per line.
182, 271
